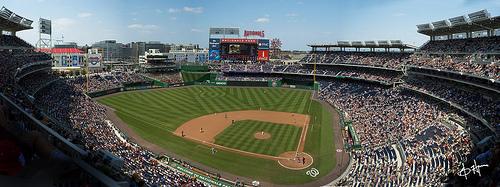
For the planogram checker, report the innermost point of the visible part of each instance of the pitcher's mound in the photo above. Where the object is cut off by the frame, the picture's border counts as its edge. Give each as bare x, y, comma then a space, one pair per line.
295, 161
262, 135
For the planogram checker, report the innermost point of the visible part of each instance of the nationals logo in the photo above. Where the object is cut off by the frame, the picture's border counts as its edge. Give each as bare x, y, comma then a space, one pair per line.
254, 33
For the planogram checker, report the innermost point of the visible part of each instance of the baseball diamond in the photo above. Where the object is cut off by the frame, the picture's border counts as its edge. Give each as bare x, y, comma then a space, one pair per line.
184, 119
249, 93
241, 136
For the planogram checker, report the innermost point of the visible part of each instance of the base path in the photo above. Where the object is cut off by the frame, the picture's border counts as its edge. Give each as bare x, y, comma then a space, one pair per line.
295, 161
204, 129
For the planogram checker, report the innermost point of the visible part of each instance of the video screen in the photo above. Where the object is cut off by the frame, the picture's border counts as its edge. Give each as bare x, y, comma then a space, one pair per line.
239, 49
234, 49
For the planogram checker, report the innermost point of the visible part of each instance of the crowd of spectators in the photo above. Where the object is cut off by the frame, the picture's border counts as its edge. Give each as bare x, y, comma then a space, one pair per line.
79, 119
12, 60
403, 138
300, 69
174, 77
475, 102
69, 105
35, 81
468, 45
464, 64
104, 81
394, 60
459, 55
13, 41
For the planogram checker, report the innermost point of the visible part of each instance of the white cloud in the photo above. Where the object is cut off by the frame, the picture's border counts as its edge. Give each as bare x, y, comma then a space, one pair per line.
173, 18
262, 20
195, 30
158, 11
143, 27
63, 23
147, 29
291, 15
173, 10
85, 14
196, 10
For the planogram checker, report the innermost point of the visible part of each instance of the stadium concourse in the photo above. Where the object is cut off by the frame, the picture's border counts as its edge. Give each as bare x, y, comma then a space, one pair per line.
418, 115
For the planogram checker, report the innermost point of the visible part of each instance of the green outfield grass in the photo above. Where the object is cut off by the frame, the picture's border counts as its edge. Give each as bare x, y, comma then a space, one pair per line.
240, 136
154, 114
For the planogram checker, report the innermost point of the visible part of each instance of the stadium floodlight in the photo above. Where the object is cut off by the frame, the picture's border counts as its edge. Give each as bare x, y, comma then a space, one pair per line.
370, 43
423, 27
441, 24
383, 43
357, 43
479, 15
460, 20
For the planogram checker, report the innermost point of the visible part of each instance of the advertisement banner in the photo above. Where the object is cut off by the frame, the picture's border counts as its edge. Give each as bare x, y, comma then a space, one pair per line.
238, 40
263, 55
253, 33
263, 43
214, 54
214, 46
94, 60
214, 41
74, 60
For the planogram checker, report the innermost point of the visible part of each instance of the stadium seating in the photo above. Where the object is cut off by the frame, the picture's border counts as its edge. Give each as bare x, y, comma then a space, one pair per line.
12, 41
404, 142
76, 117
469, 46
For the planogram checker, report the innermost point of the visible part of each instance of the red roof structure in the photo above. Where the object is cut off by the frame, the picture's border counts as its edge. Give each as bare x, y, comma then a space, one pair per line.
59, 50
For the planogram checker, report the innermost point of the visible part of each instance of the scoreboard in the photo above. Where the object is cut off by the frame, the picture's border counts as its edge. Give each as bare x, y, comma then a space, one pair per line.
238, 49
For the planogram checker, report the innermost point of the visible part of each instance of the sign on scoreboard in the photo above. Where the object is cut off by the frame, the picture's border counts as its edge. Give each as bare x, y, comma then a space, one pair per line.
253, 33
263, 55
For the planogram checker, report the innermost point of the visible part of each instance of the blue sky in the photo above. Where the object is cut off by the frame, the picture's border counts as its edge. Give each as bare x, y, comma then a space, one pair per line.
295, 22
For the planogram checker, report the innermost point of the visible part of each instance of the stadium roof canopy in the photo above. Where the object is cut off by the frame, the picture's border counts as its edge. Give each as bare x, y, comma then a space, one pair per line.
382, 44
477, 21
10, 21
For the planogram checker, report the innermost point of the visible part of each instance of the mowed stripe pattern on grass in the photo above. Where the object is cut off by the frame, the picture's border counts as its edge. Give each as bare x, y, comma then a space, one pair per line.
154, 114
169, 109
240, 136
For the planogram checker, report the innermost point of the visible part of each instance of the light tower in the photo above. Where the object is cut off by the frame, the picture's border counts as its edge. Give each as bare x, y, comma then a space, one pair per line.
45, 29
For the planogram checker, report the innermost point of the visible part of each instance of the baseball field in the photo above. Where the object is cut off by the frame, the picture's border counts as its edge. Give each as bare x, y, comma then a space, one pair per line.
249, 132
